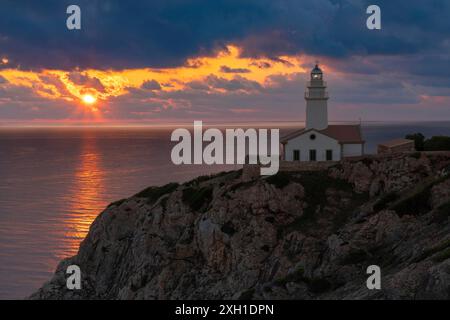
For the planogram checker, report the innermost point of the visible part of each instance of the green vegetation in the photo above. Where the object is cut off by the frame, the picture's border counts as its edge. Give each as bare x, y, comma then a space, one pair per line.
383, 202
419, 140
435, 143
318, 285
295, 276
228, 228
442, 213
444, 255
355, 256
417, 201
315, 285
197, 198
247, 294
315, 185
117, 203
152, 194
415, 155
231, 175
443, 249
279, 180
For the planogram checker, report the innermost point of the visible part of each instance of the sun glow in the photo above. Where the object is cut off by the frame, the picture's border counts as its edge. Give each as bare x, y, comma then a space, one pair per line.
89, 99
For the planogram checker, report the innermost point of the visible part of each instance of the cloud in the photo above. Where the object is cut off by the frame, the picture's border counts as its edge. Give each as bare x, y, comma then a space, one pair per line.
226, 69
138, 34
237, 83
86, 81
151, 85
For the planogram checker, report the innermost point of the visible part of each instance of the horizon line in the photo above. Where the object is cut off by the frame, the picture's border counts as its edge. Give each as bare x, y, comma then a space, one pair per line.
206, 123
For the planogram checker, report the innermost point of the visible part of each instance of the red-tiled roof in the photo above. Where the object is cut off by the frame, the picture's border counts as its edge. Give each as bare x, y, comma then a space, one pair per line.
341, 133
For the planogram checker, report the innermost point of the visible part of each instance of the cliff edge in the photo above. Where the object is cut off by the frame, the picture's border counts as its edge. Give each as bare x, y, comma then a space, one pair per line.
295, 235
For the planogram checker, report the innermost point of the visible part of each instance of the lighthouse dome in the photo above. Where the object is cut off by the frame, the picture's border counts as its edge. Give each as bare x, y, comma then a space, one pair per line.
316, 73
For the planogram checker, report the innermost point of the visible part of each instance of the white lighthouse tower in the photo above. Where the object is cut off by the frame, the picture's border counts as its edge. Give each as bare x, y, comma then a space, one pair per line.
316, 98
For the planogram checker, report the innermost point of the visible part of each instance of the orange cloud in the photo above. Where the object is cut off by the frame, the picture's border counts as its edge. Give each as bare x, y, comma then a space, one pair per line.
225, 72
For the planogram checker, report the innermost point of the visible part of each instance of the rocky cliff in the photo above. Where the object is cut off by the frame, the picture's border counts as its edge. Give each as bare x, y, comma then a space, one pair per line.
295, 235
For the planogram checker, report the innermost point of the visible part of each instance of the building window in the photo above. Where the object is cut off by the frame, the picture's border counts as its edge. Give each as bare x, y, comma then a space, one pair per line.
312, 137
296, 155
312, 155
329, 155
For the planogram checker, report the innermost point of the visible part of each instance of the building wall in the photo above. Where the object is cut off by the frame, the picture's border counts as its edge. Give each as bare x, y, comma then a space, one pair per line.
352, 150
304, 144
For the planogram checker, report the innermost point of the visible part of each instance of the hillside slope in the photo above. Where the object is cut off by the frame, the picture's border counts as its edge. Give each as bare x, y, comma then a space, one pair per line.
304, 235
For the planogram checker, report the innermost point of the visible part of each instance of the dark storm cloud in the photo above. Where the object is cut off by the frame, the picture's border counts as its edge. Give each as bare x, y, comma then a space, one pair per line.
131, 34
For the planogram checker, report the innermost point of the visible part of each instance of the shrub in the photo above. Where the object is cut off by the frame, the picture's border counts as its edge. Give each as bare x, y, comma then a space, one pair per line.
385, 200
318, 285
279, 180
443, 248
442, 213
354, 257
419, 140
437, 143
197, 198
117, 203
295, 276
152, 194
228, 228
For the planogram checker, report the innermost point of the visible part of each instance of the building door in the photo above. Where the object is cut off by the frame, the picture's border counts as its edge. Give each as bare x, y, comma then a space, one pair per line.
329, 155
296, 155
312, 155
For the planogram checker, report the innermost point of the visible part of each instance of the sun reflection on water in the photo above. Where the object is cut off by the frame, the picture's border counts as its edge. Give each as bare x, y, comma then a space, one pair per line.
85, 199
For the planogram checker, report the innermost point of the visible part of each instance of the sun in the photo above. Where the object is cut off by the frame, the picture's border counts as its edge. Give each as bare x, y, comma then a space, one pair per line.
89, 99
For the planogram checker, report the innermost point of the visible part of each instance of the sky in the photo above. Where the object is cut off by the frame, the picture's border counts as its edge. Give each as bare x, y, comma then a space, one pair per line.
153, 62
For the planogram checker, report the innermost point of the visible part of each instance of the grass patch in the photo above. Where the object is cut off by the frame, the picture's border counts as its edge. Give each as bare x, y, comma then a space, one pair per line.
197, 198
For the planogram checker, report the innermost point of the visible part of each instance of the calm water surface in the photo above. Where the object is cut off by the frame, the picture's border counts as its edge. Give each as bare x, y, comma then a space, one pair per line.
54, 182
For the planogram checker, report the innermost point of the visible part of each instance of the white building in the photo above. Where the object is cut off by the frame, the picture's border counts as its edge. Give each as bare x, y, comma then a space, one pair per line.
319, 141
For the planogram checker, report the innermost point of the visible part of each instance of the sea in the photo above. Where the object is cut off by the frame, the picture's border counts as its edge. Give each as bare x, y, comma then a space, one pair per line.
54, 181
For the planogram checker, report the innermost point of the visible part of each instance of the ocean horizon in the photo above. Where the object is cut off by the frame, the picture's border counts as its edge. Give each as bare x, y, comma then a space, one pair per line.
55, 181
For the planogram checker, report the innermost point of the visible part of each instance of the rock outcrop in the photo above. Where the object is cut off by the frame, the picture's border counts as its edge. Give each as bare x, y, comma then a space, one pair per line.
295, 235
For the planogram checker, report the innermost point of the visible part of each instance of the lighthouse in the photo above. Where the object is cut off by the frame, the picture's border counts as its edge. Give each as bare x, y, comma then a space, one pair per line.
316, 97
319, 141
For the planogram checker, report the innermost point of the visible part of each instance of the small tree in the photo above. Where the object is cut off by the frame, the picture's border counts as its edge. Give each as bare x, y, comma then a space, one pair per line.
419, 140
437, 143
